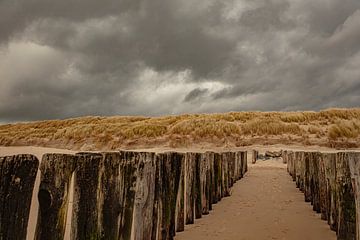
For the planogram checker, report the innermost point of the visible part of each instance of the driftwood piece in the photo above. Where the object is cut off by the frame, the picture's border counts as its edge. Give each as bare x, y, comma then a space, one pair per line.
17, 178
273, 154
54, 191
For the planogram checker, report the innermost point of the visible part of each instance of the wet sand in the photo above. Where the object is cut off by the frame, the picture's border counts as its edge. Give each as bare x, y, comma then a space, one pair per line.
264, 205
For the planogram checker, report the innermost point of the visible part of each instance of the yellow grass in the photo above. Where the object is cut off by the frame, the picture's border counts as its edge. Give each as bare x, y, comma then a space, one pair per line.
326, 127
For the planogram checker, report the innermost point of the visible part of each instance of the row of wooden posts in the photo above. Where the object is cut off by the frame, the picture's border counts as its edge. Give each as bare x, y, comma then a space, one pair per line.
117, 195
331, 182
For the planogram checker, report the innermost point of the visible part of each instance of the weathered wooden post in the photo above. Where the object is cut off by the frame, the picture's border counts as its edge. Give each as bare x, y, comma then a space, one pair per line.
85, 207
180, 211
292, 165
168, 195
314, 181
307, 180
142, 223
284, 155
205, 174
330, 175
345, 199
354, 165
244, 157
298, 168
239, 161
217, 177
225, 175
54, 191
111, 189
190, 164
210, 176
322, 186
198, 195
254, 156
17, 178
232, 173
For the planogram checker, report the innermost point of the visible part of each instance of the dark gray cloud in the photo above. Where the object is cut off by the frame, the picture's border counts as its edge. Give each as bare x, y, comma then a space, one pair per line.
71, 58
195, 94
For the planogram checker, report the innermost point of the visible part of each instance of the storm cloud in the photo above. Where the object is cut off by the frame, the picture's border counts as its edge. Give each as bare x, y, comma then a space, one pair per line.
136, 57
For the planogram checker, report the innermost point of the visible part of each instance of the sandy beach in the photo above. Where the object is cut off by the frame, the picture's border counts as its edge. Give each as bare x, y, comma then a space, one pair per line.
264, 205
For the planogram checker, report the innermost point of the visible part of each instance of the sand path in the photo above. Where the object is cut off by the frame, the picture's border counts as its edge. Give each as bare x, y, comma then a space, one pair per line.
264, 205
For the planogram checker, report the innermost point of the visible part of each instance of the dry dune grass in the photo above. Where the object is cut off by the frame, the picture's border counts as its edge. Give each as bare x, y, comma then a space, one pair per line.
332, 127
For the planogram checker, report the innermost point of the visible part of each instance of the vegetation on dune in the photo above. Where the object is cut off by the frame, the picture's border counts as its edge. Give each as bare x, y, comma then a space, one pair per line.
326, 127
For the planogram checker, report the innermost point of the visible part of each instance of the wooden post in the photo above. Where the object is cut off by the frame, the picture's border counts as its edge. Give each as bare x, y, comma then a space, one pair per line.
254, 156
17, 178
284, 155
180, 194
345, 199
111, 189
354, 165
205, 183
307, 187
190, 164
314, 180
330, 175
210, 178
217, 177
322, 186
244, 157
225, 175
85, 207
170, 164
232, 173
198, 195
54, 191
240, 164
142, 223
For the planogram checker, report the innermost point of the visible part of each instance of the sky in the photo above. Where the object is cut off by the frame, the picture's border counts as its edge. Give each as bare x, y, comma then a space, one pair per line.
61, 59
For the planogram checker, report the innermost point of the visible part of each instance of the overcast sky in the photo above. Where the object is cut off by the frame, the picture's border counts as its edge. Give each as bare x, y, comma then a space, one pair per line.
62, 59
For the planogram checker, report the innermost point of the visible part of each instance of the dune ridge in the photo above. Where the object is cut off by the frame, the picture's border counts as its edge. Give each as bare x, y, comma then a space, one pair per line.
335, 128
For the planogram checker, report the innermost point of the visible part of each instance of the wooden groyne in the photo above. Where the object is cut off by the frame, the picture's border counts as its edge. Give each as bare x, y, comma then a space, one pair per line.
331, 182
116, 195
